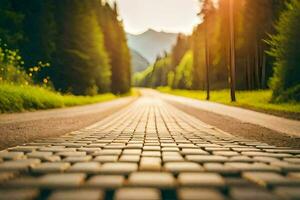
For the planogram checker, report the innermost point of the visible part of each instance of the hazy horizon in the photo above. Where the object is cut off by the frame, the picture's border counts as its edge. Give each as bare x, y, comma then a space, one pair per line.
171, 16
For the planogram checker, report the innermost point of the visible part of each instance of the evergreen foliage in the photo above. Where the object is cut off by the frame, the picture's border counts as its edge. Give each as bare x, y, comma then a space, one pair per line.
82, 40
253, 24
285, 49
116, 45
184, 72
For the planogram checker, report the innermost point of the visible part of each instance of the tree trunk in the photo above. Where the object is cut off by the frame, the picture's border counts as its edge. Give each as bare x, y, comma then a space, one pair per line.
263, 72
232, 51
256, 65
207, 62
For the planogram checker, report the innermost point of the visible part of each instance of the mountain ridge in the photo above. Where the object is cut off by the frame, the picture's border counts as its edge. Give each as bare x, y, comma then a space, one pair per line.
151, 43
138, 62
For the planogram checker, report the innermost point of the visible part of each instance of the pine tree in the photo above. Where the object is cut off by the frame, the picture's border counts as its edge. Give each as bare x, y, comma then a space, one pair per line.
81, 61
285, 49
116, 45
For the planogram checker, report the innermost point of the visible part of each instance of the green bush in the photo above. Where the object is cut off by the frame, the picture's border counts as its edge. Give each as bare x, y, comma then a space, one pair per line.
16, 98
155, 75
285, 49
184, 72
11, 70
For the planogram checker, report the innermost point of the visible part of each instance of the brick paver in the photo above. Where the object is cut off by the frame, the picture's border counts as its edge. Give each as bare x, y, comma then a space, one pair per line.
149, 150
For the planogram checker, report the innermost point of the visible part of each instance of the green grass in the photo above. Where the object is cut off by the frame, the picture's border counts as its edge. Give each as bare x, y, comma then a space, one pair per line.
255, 100
17, 98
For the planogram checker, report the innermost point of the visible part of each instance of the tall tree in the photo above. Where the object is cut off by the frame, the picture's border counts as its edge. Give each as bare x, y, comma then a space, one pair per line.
11, 24
285, 49
81, 61
116, 45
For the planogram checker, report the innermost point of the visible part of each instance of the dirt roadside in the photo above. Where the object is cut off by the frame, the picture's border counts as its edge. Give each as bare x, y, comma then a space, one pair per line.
239, 128
16, 129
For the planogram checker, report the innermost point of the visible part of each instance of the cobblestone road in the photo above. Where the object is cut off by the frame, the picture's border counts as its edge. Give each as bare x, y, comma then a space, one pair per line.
147, 151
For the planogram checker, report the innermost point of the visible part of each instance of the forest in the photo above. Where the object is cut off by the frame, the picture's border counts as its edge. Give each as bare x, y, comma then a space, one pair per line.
74, 46
266, 36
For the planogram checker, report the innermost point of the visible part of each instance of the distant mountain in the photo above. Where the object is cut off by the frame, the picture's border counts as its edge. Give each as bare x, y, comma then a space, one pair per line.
139, 63
151, 43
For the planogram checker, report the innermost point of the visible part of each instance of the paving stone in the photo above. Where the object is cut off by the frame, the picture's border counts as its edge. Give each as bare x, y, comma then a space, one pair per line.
246, 149
134, 146
270, 179
187, 146
75, 145
85, 194
292, 160
44, 156
150, 164
294, 175
11, 155
258, 167
151, 148
151, 153
246, 159
242, 193
200, 180
275, 155
176, 167
85, 167
130, 158
286, 166
187, 151
210, 149
38, 154
277, 150
23, 182
152, 179
4, 176
118, 168
168, 145
172, 158
220, 168
170, 149
71, 154
56, 149
137, 194
171, 153
111, 152
225, 153
206, 158
24, 148
74, 159
290, 193
18, 194
106, 181
265, 159
18, 165
208, 145
199, 194
88, 150
132, 152
104, 159
50, 167
232, 181
61, 180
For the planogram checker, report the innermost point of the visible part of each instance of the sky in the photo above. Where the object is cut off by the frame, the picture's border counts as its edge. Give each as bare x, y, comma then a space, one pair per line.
161, 15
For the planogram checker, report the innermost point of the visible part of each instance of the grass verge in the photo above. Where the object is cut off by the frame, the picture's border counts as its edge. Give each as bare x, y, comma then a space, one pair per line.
254, 100
17, 98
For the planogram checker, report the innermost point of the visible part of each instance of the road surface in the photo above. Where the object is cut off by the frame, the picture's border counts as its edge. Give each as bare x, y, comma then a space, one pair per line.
149, 150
